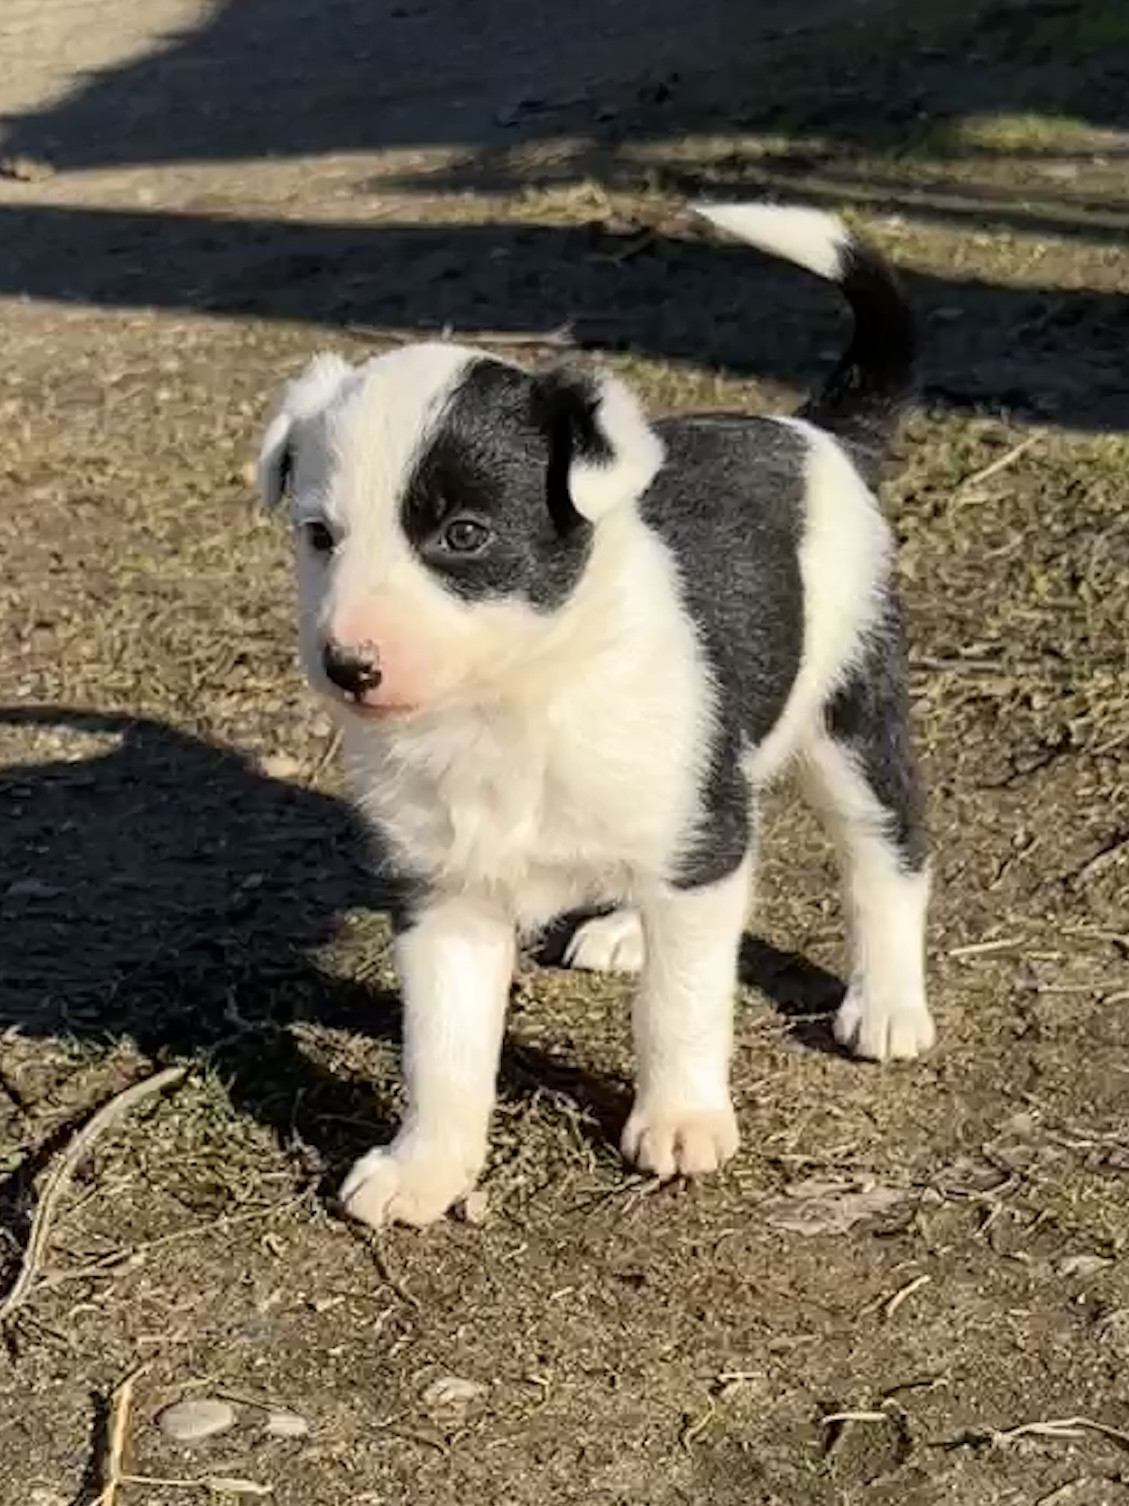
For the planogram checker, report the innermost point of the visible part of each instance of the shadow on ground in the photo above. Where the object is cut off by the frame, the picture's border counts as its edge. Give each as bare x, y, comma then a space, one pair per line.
1039, 353
166, 891
525, 95
269, 78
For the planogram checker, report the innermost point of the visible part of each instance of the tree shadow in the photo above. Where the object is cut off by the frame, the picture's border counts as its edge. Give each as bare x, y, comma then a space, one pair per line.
522, 95
1040, 353
279, 78
167, 892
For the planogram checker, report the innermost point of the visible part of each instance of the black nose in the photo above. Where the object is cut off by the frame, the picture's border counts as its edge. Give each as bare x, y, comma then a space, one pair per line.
353, 670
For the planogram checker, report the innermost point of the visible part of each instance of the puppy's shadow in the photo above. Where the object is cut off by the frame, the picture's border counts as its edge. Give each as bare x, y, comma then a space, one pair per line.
165, 891
806, 994
162, 890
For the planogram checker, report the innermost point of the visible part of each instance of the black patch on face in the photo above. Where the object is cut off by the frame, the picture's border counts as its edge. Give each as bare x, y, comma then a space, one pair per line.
501, 458
729, 504
870, 717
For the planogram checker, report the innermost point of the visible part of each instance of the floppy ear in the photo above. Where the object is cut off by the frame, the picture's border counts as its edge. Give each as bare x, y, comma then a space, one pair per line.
603, 451
307, 394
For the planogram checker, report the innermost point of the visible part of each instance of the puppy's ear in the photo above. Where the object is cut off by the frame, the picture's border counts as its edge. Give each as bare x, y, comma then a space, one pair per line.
603, 452
307, 394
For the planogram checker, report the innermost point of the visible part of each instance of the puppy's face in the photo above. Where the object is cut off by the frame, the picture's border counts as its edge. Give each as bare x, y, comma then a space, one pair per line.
444, 508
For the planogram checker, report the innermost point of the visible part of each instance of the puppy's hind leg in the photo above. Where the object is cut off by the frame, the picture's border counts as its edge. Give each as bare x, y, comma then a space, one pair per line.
861, 774
611, 943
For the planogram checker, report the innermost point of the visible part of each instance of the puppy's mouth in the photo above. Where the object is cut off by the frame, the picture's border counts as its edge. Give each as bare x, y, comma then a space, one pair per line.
366, 707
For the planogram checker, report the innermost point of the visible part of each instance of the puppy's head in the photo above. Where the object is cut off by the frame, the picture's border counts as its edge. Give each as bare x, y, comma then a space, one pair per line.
444, 507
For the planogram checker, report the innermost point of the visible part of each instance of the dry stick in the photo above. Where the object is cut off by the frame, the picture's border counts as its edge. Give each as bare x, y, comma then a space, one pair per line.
326, 757
60, 1174
109, 1263
1001, 462
560, 338
982, 948
1062, 1427
119, 1426
892, 1304
216, 1484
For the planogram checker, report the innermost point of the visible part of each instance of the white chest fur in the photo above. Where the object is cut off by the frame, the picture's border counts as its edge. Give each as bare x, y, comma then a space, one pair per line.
578, 787
537, 808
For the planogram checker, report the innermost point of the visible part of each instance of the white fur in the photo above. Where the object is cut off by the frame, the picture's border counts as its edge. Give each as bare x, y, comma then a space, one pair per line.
844, 563
351, 468
532, 762
682, 1120
534, 799
809, 237
595, 488
885, 1015
305, 396
607, 944
455, 968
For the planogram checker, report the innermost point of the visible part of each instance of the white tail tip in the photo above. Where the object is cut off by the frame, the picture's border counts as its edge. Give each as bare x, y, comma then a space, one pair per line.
811, 238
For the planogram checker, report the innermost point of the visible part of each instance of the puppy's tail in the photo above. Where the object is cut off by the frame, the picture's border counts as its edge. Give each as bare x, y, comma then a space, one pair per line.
863, 397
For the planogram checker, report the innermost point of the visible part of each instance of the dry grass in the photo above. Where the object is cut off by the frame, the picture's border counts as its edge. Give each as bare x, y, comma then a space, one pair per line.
185, 880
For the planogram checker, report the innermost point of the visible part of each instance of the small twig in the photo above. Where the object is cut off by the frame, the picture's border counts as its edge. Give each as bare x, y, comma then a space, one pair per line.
1001, 463
1113, 852
326, 757
838, 1423
890, 1307
227, 1485
389, 1276
982, 948
642, 241
695, 1427
115, 1450
1060, 1427
111, 1262
560, 338
60, 1175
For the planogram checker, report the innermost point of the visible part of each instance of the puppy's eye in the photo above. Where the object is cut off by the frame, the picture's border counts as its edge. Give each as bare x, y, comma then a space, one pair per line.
319, 538
465, 536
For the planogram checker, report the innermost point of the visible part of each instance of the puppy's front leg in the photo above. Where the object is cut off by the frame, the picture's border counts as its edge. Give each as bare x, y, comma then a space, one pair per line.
682, 1122
455, 963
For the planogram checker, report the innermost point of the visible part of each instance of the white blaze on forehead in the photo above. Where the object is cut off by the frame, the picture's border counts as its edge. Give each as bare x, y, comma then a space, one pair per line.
380, 426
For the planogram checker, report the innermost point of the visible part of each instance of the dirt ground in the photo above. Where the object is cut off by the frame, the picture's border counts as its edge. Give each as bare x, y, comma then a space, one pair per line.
194, 198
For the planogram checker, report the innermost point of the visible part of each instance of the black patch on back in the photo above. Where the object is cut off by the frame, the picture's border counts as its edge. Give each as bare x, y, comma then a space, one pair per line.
870, 716
729, 504
502, 455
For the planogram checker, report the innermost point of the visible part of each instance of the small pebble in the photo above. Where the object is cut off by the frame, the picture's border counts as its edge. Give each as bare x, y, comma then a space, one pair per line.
198, 1418
286, 1425
31, 888
474, 1207
280, 766
1083, 1265
452, 1391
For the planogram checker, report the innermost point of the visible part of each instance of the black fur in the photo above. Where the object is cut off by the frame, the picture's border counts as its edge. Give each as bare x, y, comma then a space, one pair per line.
729, 505
501, 456
870, 716
866, 393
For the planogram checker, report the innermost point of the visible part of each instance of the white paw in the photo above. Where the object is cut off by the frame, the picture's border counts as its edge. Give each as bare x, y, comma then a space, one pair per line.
405, 1185
607, 944
883, 1029
669, 1141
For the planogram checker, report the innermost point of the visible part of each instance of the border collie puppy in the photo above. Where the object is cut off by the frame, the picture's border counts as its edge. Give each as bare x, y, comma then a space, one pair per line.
568, 647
